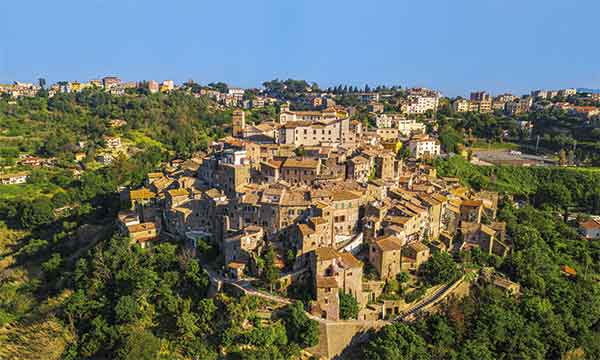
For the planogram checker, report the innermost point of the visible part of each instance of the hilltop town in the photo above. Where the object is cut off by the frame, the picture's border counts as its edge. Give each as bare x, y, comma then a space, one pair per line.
326, 196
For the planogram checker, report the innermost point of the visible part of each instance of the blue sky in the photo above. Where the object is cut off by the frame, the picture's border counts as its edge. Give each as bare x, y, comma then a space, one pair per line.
455, 46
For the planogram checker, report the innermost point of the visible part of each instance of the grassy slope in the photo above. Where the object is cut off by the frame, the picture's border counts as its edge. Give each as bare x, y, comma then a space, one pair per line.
28, 328
24, 191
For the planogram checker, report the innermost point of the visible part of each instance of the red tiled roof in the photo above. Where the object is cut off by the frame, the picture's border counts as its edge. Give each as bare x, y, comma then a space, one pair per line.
568, 270
590, 224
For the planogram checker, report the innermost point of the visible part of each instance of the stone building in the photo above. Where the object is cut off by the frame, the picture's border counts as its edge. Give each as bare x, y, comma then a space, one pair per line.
488, 239
471, 210
279, 208
343, 267
346, 206
314, 128
242, 246
300, 171
327, 304
238, 120
413, 255
385, 254
358, 169
316, 233
384, 166
142, 233
142, 197
270, 170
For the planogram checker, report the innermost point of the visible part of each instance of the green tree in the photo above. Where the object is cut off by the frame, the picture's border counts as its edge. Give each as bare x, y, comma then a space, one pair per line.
270, 272
299, 327
127, 309
476, 350
554, 195
440, 268
52, 266
396, 341
35, 213
348, 306
140, 345
402, 277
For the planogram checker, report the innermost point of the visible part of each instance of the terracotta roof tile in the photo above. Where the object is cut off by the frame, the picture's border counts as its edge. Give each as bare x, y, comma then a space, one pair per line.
350, 261
326, 253
389, 243
590, 224
302, 163
140, 194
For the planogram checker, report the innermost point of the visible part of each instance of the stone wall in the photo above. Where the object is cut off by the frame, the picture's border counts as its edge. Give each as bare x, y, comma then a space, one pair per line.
338, 337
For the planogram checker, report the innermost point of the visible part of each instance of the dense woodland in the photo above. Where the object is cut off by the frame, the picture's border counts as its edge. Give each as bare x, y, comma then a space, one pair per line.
54, 126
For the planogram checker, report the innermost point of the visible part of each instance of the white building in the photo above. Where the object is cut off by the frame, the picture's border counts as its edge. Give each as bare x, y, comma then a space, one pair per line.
153, 86
388, 120
235, 157
16, 178
236, 93
329, 127
167, 85
332, 132
406, 127
418, 104
461, 105
590, 229
287, 115
424, 146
